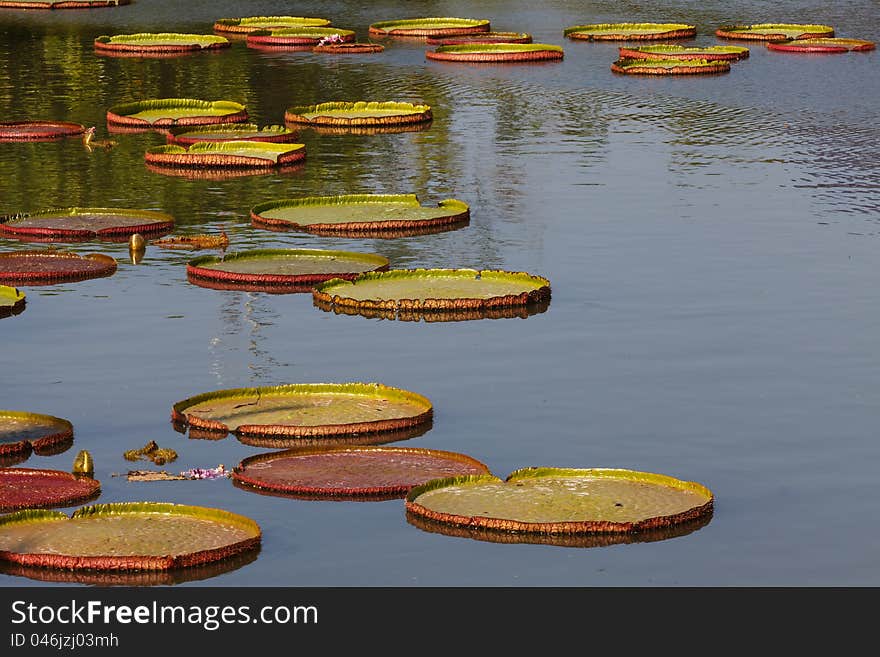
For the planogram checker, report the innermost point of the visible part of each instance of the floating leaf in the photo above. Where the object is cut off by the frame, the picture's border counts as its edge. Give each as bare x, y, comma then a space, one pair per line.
496, 52
829, 45
31, 488
158, 42
350, 48
480, 37
360, 113
79, 224
231, 132
12, 300
296, 37
431, 26
38, 130
671, 51
164, 112
774, 31
199, 241
252, 23
61, 4
670, 66
629, 31
49, 267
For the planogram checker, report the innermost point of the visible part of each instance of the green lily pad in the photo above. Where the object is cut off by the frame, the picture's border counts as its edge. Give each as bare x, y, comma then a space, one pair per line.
237, 154
12, 301
61, 4
562, 501
432, 26
149, 42
352, 47
280, 270
360, 215
78, 224
22, 432
360, 113
630, 66
306, 410
51, 266
351, 472
479, 37
671, 51
829, 45
297, 37
39, 130
629, 31
164, 112
126, 536
496, 52
231, 132
32, 488
252, 23
774, 31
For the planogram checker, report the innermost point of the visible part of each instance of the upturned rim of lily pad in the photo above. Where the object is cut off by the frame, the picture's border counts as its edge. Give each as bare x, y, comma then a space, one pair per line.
200, 271
151, 222
61, 434
163, 42
92, 265
629, 31
672, 51
496, 52
823, 45
39, 130
352, 47
334, 113
296, 37
364, 491
235, 154
429, 26
459, 215
160, 561
61, 4
637, 66
38, 488
216, 111
12, 302
181, 418
437, 316
479, 37
250, 23
563, 527
231, 132
774, 31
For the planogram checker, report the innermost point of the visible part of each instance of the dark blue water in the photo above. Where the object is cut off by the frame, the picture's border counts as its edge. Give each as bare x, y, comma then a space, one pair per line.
711, 242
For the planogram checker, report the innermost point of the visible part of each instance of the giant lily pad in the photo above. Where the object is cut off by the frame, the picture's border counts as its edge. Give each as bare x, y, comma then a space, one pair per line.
12, 301
351, 472
126, 536
350, 48
305, 410
231, 132
629, 66
280, 270
158, 42
671, 51
629, 31
22, 432
51, 266
829, 45
360, 113
296, 37
479, 37
77, 224
39, 130
432, 26
236, 154
496, 52
61, 4
360, 215
562, 501
254, 23
774, 31
31, 488
164, 112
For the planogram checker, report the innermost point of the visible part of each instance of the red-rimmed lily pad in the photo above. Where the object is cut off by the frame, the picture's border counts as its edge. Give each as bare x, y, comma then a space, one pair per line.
479, 37
203, 173
431, 26
22, 432
39, 130
79, 224
280, 270
359, 113
12, 301
629, 66
231, 132
126, 536
61, 4
50, 266
360, 215
630, 31
305, 410
351, 472
829, 45
254, 23
496, 52
562, 501
32, 488
158, 42
351, 48
774, 31
296, 37
235, 154
196, 241
672, 51
165, 112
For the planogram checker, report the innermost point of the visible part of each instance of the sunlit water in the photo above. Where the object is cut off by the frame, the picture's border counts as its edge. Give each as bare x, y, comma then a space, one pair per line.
711, 242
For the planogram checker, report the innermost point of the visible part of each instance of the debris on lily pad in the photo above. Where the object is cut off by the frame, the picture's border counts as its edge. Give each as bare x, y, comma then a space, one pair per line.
220, 472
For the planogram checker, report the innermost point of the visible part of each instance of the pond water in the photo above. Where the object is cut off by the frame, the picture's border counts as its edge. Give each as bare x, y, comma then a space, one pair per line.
712, 245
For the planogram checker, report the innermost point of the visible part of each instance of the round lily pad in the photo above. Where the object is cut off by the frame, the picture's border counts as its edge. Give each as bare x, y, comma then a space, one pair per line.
360, 113
22, 432
351, 48
774, 31
479, 37
562, 501
629, 66
31, 488
306, 410
351, 472
126, 536
427, 290
629, 31
39, 130
253, 23
159, 42
296, 37
496, 52
49, 267
237, 154
77, 224
204, 173
231, 132
432, 26
671, 51
360, 215
163, 112
829, 45
280, 270
61, 4
12, 301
